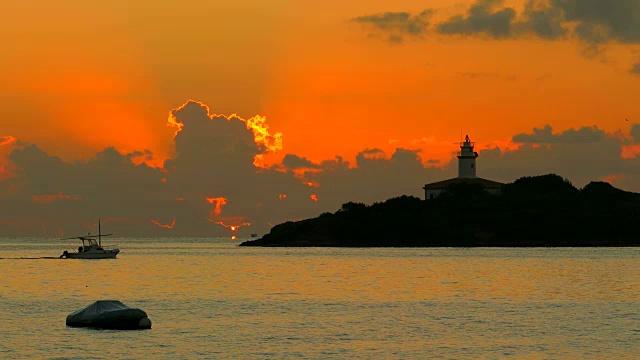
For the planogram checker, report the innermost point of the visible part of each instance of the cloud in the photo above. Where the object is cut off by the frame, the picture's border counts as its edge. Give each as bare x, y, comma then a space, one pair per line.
582, 155
570, 136
292, 161
212, 151
542, 21
397, 24
580, 162
635, 69
108, 178
600, 21
486, 17
214, 157
593, 22
635, 132
481, 18
375, 178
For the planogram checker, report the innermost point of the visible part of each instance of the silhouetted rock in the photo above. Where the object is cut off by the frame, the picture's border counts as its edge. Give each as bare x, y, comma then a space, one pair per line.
533, 211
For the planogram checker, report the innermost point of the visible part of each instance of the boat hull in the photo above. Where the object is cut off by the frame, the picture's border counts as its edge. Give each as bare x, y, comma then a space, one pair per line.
104, 254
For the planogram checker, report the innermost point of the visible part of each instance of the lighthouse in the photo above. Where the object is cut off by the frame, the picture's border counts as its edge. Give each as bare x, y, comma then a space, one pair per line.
466, 174
467, 160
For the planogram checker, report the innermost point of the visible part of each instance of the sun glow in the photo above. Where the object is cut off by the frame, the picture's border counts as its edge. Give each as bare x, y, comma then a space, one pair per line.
630, 151
49, 198
230, 226
6, 168
6, 140
218, 202
613, 178
166, 226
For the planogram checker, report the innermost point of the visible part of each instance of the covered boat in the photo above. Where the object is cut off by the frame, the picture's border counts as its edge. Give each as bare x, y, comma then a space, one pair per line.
109, 314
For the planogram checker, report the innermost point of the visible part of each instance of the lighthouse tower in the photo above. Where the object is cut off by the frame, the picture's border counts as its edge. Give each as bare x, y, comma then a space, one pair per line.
467, 159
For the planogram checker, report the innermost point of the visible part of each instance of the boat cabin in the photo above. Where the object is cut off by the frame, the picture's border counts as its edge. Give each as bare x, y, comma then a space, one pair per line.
89, 243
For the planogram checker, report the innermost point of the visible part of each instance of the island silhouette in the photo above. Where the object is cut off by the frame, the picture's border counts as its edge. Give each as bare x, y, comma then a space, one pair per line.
537, 211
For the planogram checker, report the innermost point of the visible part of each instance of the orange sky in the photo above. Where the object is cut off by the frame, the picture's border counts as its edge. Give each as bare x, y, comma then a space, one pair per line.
78, 76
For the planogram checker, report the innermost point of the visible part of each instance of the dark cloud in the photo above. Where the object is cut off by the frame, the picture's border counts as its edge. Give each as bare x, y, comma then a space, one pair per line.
102, 178
108, 185
601, 21
292, 161
376, 178
397, 24
542, 21
214, 159
582, 155
580, 162
373, 151
487, 17
570, 136
635, 132
635, 69
481, 18
594, 22
337, 165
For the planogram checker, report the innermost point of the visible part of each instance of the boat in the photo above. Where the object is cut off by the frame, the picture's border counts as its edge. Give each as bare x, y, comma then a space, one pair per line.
92, 247
109, 314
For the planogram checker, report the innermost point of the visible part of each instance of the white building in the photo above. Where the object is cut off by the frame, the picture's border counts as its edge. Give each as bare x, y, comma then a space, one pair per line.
466, 174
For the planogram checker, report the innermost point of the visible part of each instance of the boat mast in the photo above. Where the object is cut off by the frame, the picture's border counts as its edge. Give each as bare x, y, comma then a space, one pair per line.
99, 234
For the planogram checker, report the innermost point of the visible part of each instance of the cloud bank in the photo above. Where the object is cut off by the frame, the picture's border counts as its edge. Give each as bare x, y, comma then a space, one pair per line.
594, 23
215, 185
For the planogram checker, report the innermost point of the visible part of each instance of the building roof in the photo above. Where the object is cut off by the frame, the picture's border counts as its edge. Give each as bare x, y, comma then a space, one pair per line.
487, 184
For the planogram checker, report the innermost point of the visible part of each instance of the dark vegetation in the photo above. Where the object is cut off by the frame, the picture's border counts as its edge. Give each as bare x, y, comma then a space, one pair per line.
535, 211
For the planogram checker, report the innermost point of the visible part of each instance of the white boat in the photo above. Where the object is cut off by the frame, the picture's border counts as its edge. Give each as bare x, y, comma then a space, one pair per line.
92, 247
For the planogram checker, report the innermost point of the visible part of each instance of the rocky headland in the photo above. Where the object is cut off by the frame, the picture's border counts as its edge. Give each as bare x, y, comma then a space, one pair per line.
539, 211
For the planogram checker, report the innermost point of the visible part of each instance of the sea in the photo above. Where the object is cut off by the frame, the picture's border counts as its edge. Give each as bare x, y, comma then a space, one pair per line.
209, 298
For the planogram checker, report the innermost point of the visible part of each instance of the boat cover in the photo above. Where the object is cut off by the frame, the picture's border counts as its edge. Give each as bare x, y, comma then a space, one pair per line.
109, 314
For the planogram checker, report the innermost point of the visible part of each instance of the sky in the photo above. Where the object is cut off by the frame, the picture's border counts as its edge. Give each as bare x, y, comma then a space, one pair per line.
201, 118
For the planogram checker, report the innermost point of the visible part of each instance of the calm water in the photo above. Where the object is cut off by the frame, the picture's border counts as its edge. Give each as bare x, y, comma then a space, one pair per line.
209, 298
